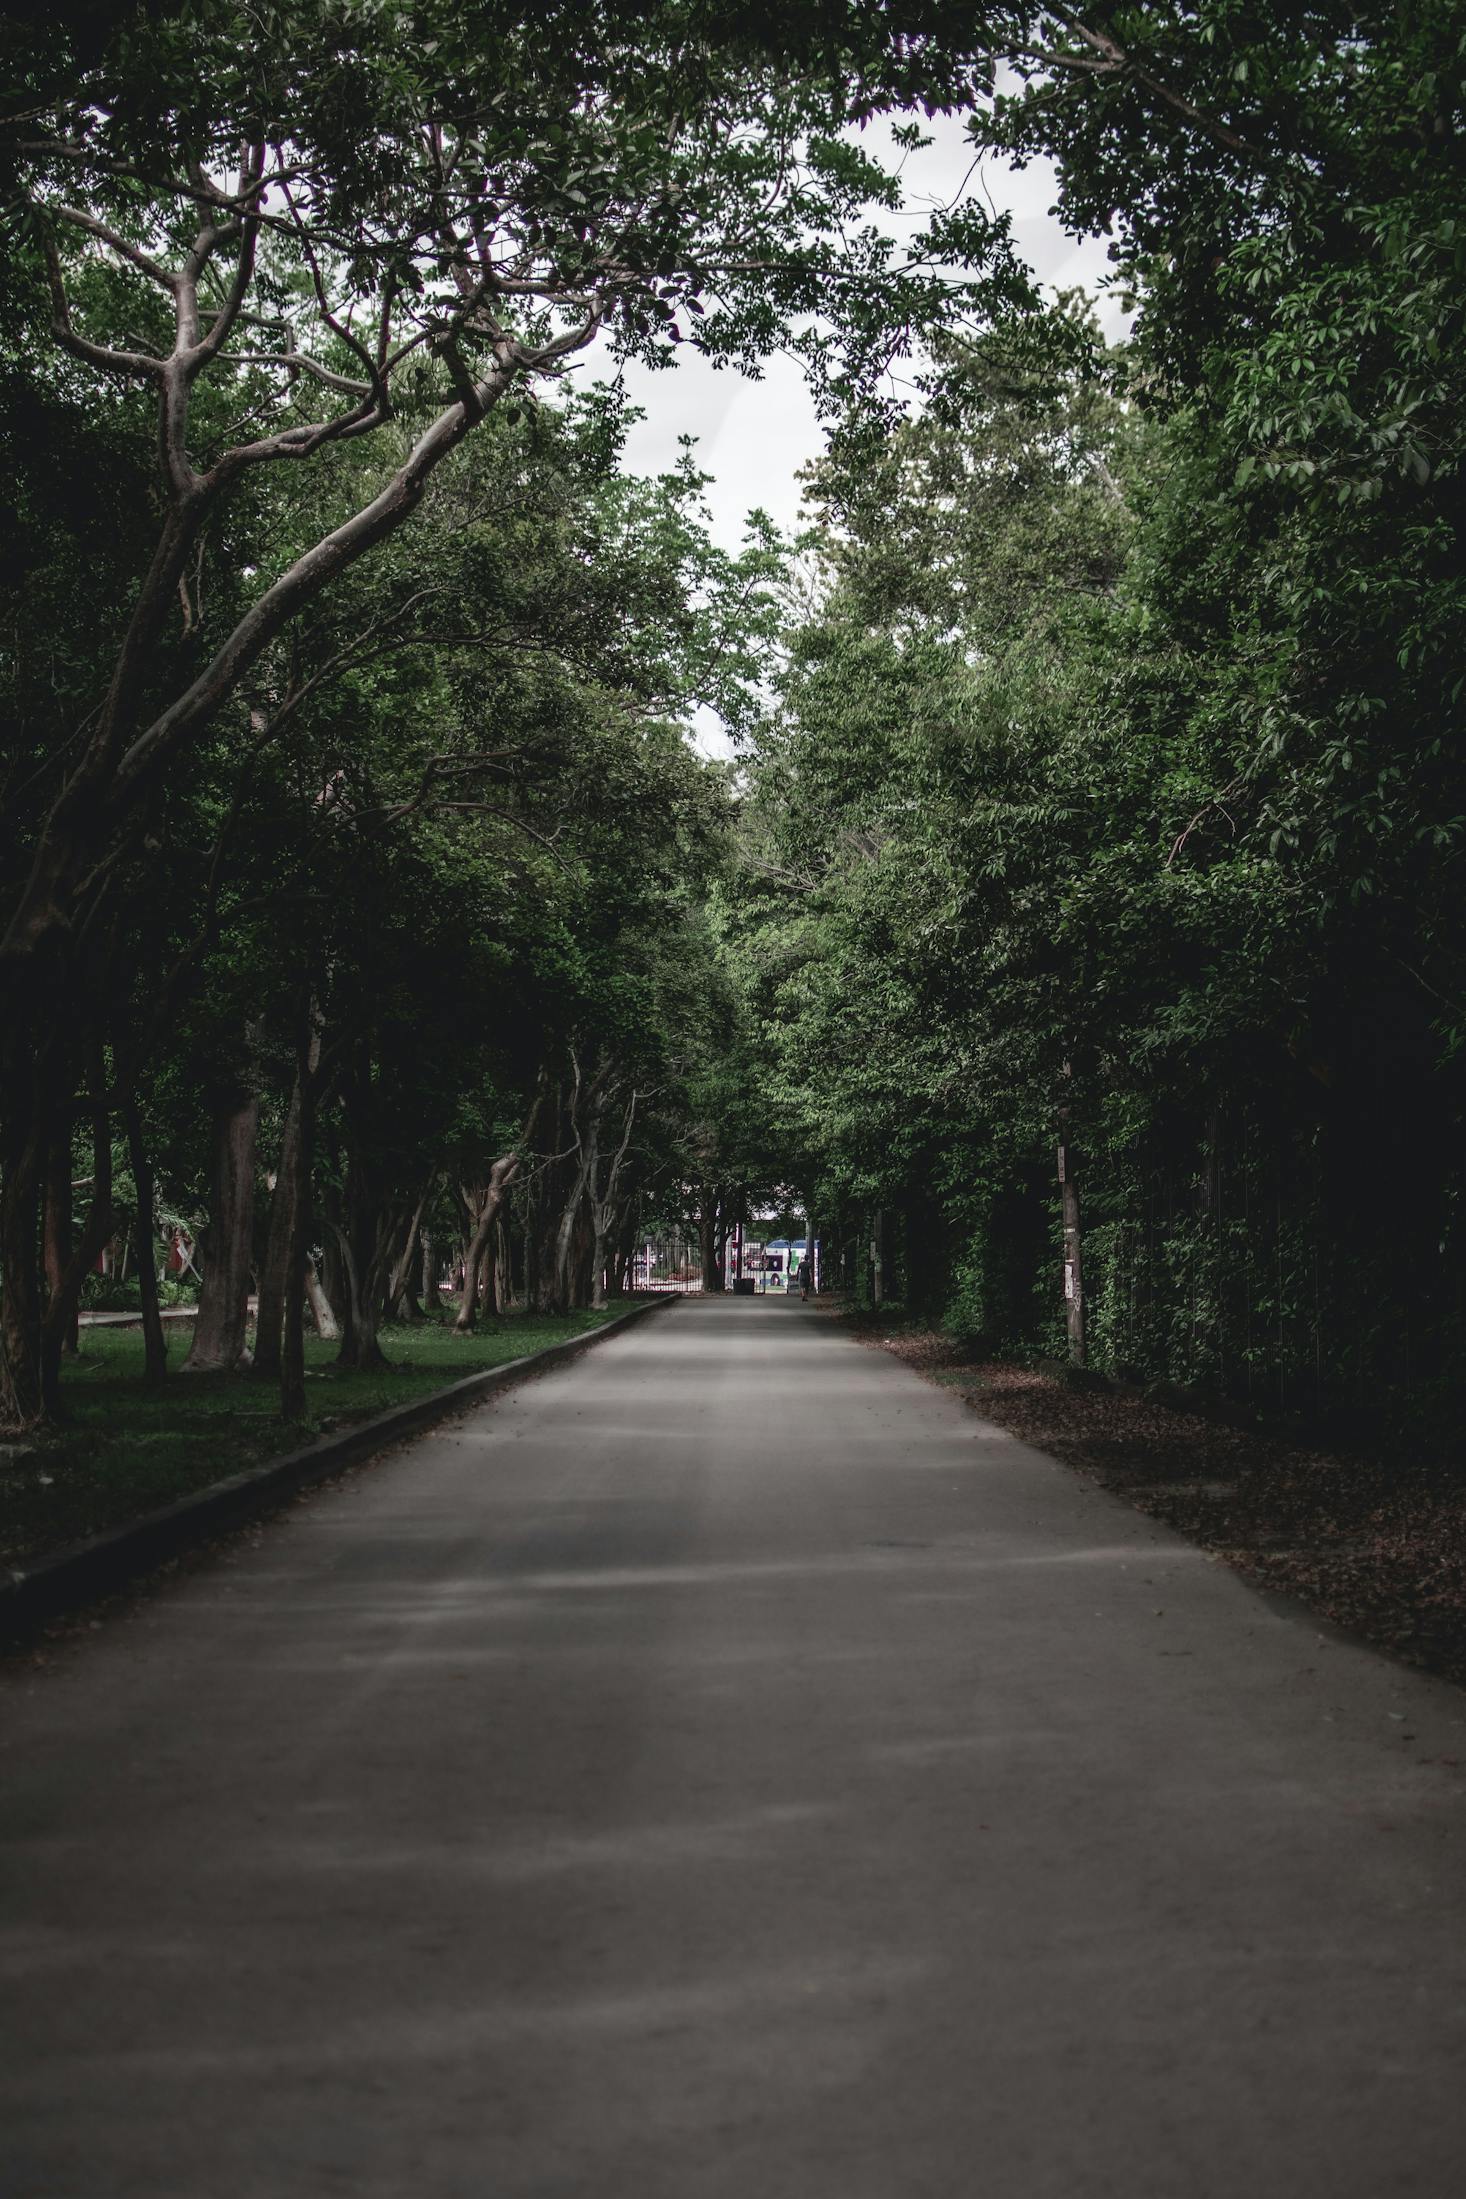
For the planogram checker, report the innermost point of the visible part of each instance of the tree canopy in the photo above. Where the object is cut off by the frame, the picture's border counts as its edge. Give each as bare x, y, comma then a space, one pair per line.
1097, 789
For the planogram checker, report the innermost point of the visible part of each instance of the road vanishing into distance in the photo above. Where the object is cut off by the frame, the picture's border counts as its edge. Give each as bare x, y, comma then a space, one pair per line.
727, 1768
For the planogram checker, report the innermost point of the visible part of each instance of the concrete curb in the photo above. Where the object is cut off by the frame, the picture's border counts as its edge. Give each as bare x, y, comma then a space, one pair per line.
135, 1320
83, 1572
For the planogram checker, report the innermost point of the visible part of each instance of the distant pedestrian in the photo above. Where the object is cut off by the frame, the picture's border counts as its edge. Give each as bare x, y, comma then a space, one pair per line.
805, 1278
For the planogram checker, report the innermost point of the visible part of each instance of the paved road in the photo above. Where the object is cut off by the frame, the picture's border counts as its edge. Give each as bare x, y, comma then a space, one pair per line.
728, 1769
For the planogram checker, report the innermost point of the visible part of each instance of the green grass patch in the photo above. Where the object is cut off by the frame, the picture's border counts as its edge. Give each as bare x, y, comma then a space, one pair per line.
127, 1449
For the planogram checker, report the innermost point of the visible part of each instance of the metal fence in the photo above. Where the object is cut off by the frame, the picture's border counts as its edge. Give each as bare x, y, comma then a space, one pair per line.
668, 1263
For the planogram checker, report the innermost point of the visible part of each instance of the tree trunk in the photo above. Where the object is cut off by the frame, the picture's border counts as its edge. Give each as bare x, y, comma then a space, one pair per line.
532, 1198
364, 1258
155, 1343
61, 1305
600, 1253
20, 1282
372, 1230
1073, 1256
707, 1229
605, 1205
401, 1297
331, 1283
623, 1248
503, 1281
501, 1176
542, 1220
56, 1221
432, 1304
582, 1274
219, 1334
367, 1227
292, 1310
489, 1292
299, 1267
477, 1254
565, 1243
270, 1314
327, 1327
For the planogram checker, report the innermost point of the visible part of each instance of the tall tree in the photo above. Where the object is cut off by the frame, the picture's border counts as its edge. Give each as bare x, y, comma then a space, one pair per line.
292, 237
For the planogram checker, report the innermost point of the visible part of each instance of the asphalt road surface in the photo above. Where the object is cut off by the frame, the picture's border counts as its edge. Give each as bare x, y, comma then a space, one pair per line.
727, 1768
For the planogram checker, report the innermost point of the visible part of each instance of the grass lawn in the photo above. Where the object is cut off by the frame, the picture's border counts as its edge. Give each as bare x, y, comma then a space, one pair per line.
126, 1449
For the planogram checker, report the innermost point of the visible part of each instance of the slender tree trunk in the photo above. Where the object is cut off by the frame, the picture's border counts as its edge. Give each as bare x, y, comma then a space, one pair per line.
501, 1178
155, 1343
57, 1220
565, 1241
270, 1313
531, 1243
530, 1254
20, 1282
604, 1200
623, 1252
365, 1263
219, 1334
432, 1304
372, 1230
332, 1281
600, 1254
327, 1327
1073, 1257
546, 1227
400, 1295
542, 1219
503, 1280
292, 1338
501, 1175
582, 1269
707, 1230
299, 1267
61, 1305
623, 1247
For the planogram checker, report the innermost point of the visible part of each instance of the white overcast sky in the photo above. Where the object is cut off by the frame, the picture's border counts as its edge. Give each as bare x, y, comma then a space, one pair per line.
753, 437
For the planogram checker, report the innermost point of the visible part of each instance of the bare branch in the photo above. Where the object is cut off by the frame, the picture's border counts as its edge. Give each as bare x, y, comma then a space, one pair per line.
251, 175
777, 875
1111, 59
1213, 808
506, 817
141, 364
302, 582
153, 269
300, 362
447, 350
1107, 480
339, 328
574, 339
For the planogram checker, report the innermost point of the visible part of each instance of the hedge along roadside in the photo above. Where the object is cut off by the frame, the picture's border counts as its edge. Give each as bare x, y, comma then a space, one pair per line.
84, 1572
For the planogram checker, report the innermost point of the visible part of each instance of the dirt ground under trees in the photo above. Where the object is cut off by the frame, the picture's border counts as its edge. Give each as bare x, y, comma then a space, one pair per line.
1375, 1544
